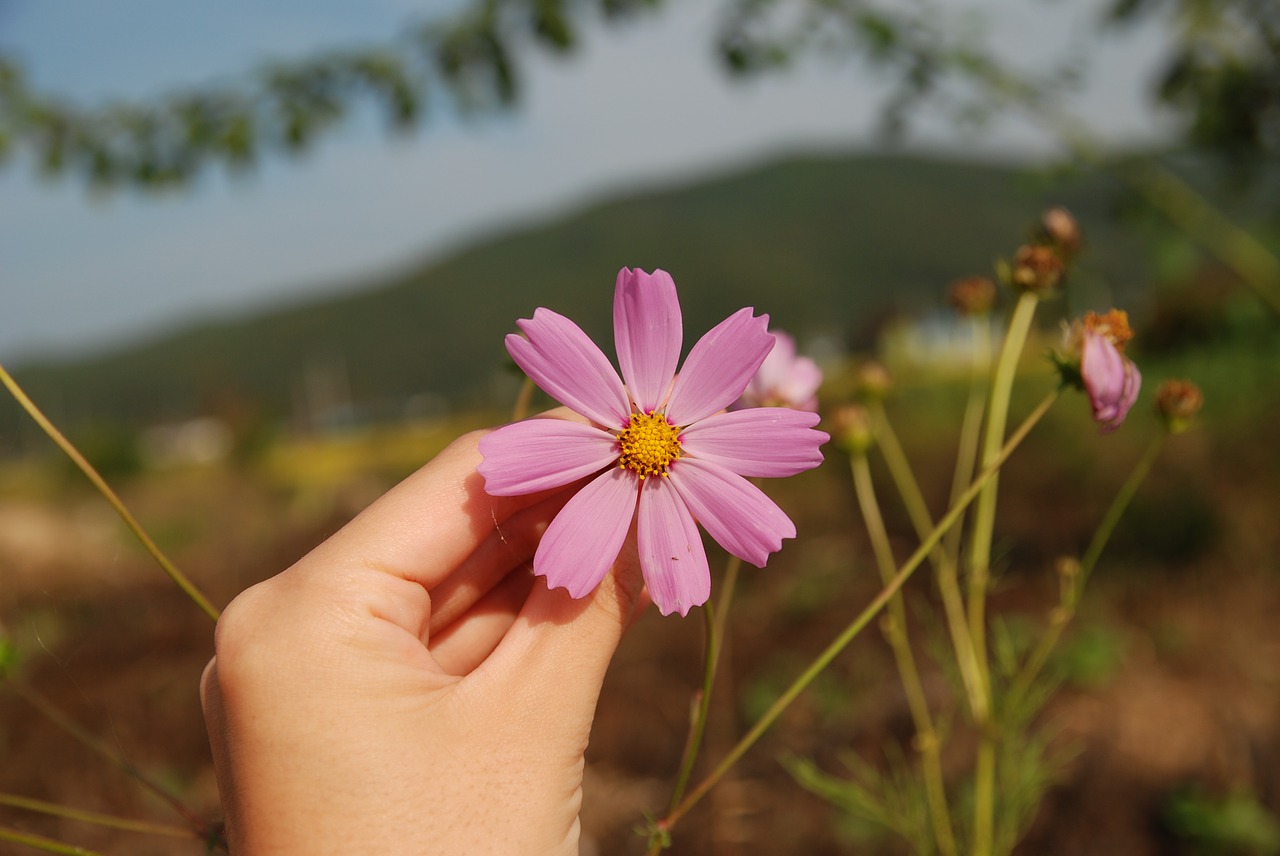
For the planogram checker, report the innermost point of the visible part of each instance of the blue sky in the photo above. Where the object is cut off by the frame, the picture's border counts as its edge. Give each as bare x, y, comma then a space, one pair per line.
639, 106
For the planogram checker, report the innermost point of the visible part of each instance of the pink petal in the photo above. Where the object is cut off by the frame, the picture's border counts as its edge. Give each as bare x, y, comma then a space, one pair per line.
541, 454
773, 371
672, 557
584, 539
800, 388
570, 368
719, 367
1111, 381
762, 441
733, 511
648, 331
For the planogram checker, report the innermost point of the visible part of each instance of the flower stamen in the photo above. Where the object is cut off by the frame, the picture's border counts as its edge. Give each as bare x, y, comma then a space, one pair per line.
649, 444
1114, 325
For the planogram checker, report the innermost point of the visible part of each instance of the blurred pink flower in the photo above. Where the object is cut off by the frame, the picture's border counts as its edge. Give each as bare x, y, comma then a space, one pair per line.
660, 449
784, 379
1111, 380
1095, 362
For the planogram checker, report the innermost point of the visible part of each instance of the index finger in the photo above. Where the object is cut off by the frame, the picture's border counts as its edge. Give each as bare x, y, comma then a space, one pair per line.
426, 526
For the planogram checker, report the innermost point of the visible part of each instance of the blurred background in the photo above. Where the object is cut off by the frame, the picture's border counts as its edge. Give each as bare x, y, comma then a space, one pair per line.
257, 263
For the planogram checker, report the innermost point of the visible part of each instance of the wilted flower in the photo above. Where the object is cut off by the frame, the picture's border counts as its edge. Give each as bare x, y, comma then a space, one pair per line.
1058, 229
851, 429
1095, 361
1037, 268
973, 295
784, 379
659, 449
1178, 402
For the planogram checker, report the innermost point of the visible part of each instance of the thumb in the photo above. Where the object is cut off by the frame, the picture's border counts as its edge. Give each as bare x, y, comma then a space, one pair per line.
553, 659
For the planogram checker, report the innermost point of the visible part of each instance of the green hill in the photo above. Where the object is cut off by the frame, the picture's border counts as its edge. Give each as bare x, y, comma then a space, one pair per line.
824, 244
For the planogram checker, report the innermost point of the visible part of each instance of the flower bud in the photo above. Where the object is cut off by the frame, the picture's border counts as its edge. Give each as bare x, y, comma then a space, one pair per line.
973, 295
1094, 361
1178, 402
1058, 229
851, 429
1036, 268
872, 381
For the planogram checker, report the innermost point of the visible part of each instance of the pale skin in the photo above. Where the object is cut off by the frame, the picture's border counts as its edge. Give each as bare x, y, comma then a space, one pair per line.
409, 686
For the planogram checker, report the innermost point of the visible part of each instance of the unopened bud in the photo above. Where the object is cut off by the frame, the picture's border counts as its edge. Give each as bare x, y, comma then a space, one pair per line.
1178, 402
872, 381
1037, 268
973, 295
1059, 229
851, 429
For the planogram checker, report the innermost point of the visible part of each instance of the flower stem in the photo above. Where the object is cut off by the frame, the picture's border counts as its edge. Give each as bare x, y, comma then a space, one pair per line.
199, 826
717, 617
520, 409
1257, 267
1065, 611
984, 508
103, 488
39, 842
856, 626
970, 426
55, 810
943, 562
899, 640
980, 563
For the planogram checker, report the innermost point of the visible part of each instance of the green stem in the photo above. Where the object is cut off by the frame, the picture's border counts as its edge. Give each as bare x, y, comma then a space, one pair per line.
52, 713
1257, 267
39, 842
970, 425
103, 488
856, 626
1118, 505
980, 562
899, 640
716, 619
125, 824
944, 565
984, 509
521, 408
1065, 611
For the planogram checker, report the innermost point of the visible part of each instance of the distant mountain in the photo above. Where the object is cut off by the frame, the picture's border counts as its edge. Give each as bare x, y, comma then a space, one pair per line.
824, 244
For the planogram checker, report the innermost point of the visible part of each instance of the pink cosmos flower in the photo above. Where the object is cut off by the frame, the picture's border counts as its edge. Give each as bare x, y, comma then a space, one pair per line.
784, 379
659, 450
1095, 362
1111, 380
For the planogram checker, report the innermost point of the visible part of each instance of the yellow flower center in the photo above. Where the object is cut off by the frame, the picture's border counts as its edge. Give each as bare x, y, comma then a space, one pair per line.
1114, 325
649, 444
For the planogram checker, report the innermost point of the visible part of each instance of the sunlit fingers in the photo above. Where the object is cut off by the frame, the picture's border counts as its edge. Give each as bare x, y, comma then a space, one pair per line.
510, 545
465, 643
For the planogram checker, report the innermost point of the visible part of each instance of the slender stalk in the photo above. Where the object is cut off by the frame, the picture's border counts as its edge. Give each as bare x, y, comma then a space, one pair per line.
1257, 267
39, 842
717, 617
970, 426
980, 562
984, 508
520, 409
1065, 611
856, 626
51, 712
188, 588
1118, 505
125, 824
899, 640
944, 564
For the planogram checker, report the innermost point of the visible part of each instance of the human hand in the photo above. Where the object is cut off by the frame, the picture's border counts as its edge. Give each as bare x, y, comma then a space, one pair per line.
409, 686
